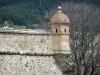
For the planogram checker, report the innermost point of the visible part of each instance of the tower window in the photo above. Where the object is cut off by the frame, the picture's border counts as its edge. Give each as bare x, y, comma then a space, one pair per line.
65, 30
56, 30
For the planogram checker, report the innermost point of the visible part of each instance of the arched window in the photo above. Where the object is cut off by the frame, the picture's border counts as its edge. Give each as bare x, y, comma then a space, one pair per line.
65, 30
56, 30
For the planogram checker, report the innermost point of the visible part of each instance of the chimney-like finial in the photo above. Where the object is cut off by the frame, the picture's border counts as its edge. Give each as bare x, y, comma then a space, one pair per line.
59, 9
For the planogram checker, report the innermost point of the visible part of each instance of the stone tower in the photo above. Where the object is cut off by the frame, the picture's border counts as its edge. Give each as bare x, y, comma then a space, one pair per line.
60, 32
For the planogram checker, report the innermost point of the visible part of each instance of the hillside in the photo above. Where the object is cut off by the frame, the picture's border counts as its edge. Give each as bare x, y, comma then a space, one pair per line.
29, 12
25, 12
48, 2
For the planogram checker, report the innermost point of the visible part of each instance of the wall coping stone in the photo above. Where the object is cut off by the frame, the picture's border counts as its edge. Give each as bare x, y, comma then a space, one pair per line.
30, 32
31, 53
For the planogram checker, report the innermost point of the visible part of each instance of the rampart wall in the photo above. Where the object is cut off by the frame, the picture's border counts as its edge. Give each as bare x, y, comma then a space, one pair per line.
27, 53
20, 41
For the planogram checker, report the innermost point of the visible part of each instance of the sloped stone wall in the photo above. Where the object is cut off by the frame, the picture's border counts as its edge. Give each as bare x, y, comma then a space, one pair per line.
28, 65
25, 43
21, 42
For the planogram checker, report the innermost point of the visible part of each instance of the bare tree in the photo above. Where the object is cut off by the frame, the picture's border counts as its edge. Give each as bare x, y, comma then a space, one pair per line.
85, 35
85, 56
85, 42
80, 14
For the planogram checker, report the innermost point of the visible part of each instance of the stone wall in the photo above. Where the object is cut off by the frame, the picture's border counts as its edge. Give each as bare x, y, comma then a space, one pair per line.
22, 42
13, 46
28, 65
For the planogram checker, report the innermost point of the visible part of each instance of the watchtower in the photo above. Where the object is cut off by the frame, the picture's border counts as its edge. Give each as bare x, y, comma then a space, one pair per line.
60, 32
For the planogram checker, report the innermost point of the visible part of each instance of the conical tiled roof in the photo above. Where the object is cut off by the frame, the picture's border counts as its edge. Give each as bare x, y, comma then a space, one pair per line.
59, 17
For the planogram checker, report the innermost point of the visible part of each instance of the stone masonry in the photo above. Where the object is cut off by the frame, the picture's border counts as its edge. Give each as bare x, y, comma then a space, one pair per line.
27, 53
